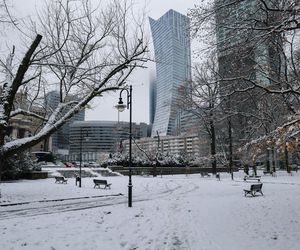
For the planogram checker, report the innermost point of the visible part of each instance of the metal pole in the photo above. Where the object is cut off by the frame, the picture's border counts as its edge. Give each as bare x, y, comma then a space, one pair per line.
230, 148
130, 142
80, 157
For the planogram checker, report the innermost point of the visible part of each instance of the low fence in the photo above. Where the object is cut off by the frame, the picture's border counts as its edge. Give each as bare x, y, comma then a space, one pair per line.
166, 170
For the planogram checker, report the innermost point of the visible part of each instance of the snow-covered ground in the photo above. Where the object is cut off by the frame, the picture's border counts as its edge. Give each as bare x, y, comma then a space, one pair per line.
172, 212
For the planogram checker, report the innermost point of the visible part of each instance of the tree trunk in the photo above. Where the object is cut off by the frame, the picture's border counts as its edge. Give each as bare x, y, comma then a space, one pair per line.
13, 89
156, 156
155, 168
246, 169
213, 147
2, 134
286, 156
254, 169
268, 160
273, 160
19, 77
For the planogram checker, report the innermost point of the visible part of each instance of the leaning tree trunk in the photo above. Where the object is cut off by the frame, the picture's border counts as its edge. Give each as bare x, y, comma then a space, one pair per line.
8, 97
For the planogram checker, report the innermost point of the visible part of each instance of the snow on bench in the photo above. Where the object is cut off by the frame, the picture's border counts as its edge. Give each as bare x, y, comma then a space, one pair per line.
61, 180
254, 188
98, 183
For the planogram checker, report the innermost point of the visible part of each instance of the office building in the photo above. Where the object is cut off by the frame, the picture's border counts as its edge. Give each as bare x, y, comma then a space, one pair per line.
241, 51
59, 143
152, 99
171, 41
244, 56
94, 138
191, 145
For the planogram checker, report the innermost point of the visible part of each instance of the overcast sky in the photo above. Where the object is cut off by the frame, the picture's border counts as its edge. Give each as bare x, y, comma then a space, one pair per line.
140, 81
102, 108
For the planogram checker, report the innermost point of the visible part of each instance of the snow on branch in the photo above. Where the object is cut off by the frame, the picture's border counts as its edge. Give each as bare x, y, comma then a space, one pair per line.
26, 113
285, 136
84, 53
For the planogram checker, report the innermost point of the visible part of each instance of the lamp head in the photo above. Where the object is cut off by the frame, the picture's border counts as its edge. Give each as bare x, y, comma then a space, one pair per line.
120, 106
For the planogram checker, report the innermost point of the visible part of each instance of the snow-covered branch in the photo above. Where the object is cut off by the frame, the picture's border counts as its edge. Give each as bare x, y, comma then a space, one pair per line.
26, 113
85, 51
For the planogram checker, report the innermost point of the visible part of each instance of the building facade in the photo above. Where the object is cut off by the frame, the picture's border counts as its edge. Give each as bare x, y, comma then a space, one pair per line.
172, 49
60, 141
192, 145
244, 56
95, 138
152, 99
241, 51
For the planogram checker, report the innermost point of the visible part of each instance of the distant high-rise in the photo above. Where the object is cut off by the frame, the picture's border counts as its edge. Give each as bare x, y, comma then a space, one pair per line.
100, 137
172, 48
60, 139
241, 51
246, 52
152, 99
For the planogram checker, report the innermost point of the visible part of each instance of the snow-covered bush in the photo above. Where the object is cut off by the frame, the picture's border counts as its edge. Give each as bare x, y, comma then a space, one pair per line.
116, 159
16, 166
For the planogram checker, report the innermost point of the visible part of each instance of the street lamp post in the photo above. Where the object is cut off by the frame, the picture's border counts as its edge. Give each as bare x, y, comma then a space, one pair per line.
121, 107
80, 155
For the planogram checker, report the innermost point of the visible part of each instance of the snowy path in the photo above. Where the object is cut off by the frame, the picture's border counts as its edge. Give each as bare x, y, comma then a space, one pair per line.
169, 213
47, 207
58, 207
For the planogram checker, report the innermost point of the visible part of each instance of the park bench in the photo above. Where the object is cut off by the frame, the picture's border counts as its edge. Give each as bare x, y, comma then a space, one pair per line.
98, 183
252, 177
204, 174
254, 188
61, 180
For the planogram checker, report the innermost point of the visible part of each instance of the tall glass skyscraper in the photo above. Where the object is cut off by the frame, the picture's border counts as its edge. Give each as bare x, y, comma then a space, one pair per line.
246, 50
172, 48
152, 99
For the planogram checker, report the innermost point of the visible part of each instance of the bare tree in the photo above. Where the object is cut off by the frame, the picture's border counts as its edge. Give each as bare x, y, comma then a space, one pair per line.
78, 50
257, 55
200, 98
5, 15
258, 15
257, 38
